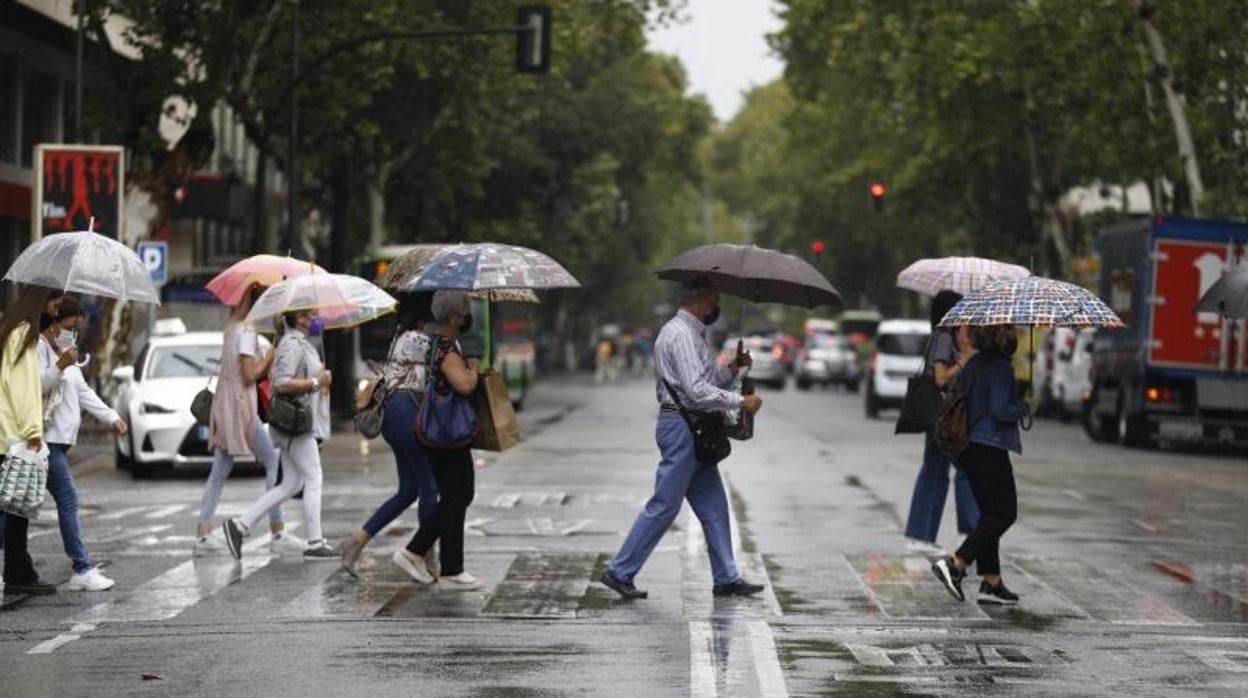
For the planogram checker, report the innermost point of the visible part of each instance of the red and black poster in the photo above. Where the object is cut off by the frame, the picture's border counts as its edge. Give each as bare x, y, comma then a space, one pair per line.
75, 183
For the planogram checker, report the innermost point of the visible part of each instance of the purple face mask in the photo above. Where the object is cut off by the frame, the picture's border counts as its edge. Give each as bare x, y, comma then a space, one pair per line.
316, 327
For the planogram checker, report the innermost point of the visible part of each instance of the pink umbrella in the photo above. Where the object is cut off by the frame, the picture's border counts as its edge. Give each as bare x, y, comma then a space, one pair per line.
264, 269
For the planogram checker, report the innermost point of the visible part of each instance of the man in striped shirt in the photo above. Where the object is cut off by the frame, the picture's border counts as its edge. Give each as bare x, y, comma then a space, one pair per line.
683, 359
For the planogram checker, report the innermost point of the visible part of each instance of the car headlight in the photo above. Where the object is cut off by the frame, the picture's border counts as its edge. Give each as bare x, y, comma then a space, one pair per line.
153, 408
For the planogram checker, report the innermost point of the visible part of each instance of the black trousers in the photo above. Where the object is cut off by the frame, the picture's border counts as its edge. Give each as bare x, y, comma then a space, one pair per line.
453, 471
992, 481
19, 568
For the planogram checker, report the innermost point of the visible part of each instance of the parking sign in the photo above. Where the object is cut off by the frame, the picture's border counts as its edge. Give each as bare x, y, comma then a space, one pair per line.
155, 256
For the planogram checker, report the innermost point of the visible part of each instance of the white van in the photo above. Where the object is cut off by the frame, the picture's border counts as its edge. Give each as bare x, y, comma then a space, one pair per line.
898, 355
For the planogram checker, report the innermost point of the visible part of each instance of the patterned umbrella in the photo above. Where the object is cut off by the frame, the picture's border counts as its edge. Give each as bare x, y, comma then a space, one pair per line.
961, 274
412, 263
1034, 301
486, 266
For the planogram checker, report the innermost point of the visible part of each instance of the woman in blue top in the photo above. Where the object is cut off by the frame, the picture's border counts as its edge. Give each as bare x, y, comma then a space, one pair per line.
994, 413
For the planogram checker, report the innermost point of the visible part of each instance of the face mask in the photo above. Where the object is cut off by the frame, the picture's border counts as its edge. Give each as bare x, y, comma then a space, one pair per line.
711, 317
465, 324
67, 339
316, 327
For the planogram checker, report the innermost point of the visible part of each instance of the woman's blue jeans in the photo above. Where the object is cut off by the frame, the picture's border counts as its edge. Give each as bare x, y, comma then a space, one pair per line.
65, 492
398, 428
927, 505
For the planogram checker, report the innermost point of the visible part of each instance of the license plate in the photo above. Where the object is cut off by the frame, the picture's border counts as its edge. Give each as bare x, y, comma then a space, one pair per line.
202, 432
1181, 431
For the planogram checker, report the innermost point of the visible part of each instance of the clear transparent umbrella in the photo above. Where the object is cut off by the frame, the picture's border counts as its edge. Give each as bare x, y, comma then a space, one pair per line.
85, 262
341, 300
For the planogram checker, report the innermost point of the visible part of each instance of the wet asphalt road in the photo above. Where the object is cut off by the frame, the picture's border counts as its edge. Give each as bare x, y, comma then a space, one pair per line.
1131, 564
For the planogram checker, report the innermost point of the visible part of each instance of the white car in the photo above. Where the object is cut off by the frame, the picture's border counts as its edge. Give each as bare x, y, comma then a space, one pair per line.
1072, 361
898, 355
154, 398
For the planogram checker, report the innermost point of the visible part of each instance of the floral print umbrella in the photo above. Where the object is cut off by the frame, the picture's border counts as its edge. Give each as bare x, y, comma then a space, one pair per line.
486, 266
1034, 301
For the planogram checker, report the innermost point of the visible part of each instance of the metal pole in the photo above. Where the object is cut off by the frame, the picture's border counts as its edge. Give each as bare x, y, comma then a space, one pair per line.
81, 11
292, 168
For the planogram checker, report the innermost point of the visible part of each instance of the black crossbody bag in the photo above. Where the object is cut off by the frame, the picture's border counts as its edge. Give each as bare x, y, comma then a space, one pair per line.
710, 439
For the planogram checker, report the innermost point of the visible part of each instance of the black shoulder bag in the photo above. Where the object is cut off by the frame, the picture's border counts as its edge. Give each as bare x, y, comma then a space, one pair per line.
923, 397
710, 440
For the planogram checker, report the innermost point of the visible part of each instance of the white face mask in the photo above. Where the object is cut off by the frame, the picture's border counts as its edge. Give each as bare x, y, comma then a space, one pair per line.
67, 339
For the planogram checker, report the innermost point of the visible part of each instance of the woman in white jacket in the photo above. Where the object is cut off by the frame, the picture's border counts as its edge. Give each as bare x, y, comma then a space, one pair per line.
62, 419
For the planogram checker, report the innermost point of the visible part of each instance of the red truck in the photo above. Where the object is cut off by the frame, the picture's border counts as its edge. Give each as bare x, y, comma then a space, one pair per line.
1172, 375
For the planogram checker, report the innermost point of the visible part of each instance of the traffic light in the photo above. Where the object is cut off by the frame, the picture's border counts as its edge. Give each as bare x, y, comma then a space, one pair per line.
817, 247
877, 190
533, 39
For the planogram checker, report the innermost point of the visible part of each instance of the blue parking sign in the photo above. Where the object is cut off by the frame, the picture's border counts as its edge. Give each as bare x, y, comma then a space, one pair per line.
155, 256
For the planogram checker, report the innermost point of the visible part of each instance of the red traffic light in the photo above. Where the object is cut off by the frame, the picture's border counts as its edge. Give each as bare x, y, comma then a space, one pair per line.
877, 189
817, 247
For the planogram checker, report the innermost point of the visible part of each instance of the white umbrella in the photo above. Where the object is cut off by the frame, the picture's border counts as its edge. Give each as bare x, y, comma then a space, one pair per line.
85, 262
341, 300
961, 274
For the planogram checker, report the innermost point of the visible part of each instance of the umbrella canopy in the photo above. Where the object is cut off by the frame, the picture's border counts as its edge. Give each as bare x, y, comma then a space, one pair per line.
755, 274
486, 266
961, 274
414, 261
264, 269
85, 262
1035, 301
1228, 295
340, 300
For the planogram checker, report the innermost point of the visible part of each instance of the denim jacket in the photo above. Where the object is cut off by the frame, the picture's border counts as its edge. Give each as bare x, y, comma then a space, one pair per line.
992, 404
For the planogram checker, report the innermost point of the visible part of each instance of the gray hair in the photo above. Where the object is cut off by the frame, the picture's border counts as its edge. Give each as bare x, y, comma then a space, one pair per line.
694, 289
447, 301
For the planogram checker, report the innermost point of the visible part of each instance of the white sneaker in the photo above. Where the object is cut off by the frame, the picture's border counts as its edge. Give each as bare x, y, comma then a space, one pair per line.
287, 544
461, 582
413, 565
91, 580
922, 547
206, 546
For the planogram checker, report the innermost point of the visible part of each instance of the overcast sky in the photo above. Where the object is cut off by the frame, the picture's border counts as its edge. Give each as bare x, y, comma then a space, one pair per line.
724, 48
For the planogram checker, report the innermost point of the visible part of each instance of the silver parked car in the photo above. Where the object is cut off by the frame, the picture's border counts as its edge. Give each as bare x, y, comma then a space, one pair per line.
768, 355
828, 360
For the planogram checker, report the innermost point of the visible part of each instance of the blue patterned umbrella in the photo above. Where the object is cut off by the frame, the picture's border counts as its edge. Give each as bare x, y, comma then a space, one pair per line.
487, 265
1034, 301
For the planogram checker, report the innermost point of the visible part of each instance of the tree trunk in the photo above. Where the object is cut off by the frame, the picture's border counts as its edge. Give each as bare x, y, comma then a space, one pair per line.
375, 200
1174, 102
1053, 226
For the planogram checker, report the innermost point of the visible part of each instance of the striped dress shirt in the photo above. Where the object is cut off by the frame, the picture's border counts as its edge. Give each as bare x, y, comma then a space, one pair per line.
683, 358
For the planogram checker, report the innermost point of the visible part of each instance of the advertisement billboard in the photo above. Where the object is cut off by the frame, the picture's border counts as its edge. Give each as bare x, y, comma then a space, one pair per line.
75, 183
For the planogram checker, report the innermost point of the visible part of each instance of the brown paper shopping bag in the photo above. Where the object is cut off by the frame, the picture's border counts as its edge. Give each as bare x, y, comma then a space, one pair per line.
497, 428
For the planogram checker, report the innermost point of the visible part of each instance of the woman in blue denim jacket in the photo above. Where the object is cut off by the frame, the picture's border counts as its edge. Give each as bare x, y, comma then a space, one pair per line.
994, 414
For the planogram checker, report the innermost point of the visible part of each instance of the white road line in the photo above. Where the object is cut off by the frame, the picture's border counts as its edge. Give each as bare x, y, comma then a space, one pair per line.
121, 513
166, 511
766, 660
1144, 525
50, 646
176, 590
701, 660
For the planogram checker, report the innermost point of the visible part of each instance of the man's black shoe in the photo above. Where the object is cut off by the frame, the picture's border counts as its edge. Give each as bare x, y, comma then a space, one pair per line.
624, 589
738, 587
950, 576
37, 587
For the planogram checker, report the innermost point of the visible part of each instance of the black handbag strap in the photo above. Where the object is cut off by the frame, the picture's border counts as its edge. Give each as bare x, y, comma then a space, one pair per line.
671, 392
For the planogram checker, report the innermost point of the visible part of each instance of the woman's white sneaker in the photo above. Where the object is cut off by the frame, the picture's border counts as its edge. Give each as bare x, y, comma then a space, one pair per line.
413, 565
91, 580
207, 546
461, 582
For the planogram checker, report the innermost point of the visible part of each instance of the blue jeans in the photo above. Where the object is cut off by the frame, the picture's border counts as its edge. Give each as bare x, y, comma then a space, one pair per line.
927, 505
223, 464
679, 477
398, 428
65, 492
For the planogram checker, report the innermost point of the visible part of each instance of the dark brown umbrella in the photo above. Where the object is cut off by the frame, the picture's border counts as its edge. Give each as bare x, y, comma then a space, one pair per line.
755, 274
